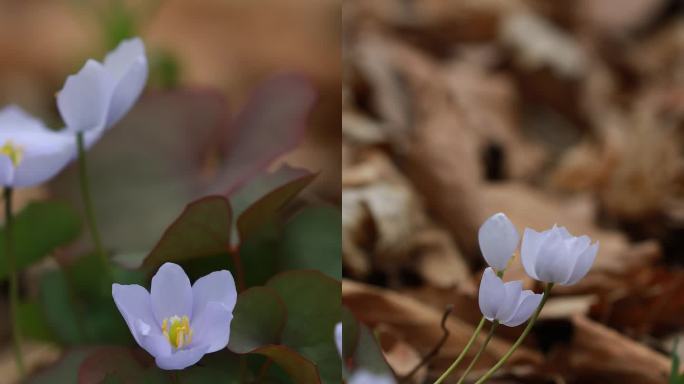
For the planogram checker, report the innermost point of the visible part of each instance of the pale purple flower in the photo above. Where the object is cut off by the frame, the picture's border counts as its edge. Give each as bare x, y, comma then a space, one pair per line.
30, 153
338, 338
175, 322
556, 256
100, 94
506, 302
498, 240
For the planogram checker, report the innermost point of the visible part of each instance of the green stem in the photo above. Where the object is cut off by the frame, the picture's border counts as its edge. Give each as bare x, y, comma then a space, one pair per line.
88, 203
13, 281
480, 351
522, 336
463, 352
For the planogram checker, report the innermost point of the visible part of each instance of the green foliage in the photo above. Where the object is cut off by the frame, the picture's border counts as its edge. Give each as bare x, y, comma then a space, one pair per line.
39, 229
360, 346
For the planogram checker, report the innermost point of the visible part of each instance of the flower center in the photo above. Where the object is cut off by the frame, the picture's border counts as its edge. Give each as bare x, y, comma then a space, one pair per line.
14, 152
177, 330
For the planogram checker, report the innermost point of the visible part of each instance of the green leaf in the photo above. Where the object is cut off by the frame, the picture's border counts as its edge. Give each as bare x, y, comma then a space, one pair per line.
350, 333
257, 203
311, 240
39, 229
59, 309
258, 320
32, 322
675, 377
120, 365
300, 370
202, 229
313, 302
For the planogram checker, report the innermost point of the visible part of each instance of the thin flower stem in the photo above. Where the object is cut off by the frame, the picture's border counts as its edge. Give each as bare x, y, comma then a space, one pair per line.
522, 337
13, 281
463, 352
88, 203
492, 328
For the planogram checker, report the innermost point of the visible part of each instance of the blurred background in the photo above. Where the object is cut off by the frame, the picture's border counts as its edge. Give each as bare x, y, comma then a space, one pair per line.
567, 112
207, 60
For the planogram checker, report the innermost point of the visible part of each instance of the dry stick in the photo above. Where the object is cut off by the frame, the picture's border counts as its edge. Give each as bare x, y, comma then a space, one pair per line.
479, 352
517, 343
435, 350
13, 281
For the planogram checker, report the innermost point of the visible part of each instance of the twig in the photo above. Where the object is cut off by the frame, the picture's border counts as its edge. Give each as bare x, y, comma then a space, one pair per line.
435, 350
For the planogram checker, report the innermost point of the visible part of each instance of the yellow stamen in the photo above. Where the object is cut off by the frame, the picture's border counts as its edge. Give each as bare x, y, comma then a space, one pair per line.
14, 152
177, 331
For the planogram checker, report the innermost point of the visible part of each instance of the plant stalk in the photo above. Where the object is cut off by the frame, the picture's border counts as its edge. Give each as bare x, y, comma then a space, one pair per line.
88, 203
13, 281
460, 357
492, 328
521, 338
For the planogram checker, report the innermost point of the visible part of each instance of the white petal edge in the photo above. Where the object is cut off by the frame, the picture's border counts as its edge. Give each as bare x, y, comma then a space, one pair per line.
338, 338
84, 100
528, 304
212, 327
181, 358
498, 240
127, 91
492, 292
584, 263
218, 286
133, 302
171, 293
529, 250
511, 300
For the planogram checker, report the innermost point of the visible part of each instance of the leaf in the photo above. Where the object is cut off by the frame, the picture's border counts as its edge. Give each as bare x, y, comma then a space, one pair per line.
271, 124
301, 370
32, 322
39, 229
313, 302
120, 365
350, 333
202, 229
311, 240
258, 320
59, 309
260, 201
65, 370
147, 168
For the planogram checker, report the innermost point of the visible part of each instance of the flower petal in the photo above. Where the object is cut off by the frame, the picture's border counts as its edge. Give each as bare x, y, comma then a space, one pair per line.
498, 240
338, 338
511, 300
584, 263
181, 358
529, 302
84, 100
212, 327
217, 287
529, 250
127, 91
133, 301
12, 117
363, 376
118, 61
171, 293
6, 171
45, 155
492, 292
554, 261
155, 343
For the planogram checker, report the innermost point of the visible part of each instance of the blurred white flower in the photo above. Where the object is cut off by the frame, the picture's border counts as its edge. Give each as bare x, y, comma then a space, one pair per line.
100, 94
498, 240
175, 322
556, 256
30, 153
362, 376
506, 302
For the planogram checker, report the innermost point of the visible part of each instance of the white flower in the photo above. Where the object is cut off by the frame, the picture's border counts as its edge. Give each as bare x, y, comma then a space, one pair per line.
555, 256
498, 240
506, 302
100, 94
338, 338
363, 376
175, 322
30, 153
